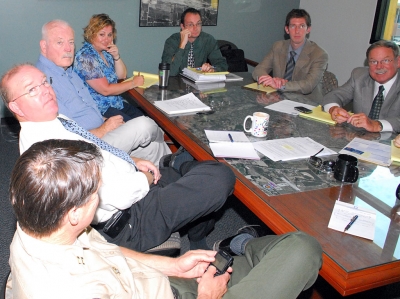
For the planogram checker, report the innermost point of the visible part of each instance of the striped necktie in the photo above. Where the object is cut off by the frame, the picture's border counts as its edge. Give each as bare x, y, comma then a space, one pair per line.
290, 66
191, 57
377, 104
73, 127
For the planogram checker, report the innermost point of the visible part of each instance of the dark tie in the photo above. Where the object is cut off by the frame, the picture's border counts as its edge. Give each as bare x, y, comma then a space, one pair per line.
73, 127
377, 104
191, 56
290, 66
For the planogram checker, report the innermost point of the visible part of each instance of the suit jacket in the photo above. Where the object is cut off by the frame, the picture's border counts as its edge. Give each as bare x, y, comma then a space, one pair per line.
359, 89
307, 74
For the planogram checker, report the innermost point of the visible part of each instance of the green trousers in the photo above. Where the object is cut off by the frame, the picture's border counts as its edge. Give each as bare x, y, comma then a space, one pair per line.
272, 267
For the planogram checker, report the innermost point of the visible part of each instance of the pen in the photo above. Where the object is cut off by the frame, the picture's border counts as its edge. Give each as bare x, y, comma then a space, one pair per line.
230, 137
199, 68
258, 83
351, 222
318, 152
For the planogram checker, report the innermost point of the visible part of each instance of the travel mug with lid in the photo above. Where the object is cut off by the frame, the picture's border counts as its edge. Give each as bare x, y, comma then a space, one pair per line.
163, 74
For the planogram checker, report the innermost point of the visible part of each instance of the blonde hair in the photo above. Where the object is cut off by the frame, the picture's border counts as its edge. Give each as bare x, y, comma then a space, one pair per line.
96, 23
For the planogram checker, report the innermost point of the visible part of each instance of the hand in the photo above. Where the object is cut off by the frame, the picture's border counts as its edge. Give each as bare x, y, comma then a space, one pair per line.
138, 81
338, 114
212, 287
360, 120
146, 166
207, 68
397, 141
113, 50
113, 122
193, 263
185, 34
277, 83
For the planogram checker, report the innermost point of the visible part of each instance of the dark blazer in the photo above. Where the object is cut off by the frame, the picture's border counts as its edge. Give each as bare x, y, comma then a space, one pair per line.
359, 89
307, 74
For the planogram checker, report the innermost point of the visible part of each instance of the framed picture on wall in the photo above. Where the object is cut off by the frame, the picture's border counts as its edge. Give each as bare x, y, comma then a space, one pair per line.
167, 13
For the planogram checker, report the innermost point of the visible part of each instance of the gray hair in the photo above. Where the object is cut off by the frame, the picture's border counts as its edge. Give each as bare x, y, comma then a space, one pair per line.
385, 44
54, 23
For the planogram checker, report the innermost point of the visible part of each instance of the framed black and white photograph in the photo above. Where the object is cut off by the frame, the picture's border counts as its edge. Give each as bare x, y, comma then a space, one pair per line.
167, 13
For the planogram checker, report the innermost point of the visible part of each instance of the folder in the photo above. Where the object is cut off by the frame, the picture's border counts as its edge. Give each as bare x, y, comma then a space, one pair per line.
205, 73
259, 87
149, 79
319, 115
395, 153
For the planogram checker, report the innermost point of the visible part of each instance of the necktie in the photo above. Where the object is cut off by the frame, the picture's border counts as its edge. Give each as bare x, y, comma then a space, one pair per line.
377, 104
73, 127
191, 56
290, 66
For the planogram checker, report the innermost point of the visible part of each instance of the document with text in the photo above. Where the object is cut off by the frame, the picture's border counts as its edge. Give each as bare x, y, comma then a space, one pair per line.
291, 148
185, 104
343, 217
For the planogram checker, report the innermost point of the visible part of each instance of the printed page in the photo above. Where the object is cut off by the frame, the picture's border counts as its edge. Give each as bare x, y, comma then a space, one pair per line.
184, 104
371, 151
242, 150
363, 227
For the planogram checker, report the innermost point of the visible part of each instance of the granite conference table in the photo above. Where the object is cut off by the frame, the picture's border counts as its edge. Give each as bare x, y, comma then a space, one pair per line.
290, 196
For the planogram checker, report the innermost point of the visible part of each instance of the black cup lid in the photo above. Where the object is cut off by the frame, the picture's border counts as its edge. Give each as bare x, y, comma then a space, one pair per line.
163, 66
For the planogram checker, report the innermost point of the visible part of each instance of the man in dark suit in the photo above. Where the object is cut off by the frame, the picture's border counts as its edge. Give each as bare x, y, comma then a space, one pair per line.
373, 91
303, 72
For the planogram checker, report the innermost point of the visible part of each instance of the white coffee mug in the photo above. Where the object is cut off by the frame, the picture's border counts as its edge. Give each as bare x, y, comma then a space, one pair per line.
259, 126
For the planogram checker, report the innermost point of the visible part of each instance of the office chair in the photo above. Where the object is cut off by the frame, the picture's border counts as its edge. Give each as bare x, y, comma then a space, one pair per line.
329, 82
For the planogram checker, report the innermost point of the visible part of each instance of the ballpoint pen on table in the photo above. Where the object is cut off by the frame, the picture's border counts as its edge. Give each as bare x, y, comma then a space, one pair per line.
318, 152
258, 83
199, 68
351, 222
230, 137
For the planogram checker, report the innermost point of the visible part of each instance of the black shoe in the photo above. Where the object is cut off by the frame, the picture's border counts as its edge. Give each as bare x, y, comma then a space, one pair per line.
254, 231
176, 159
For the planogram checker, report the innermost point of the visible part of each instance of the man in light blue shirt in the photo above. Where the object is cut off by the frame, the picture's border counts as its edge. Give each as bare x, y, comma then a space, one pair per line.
140, 137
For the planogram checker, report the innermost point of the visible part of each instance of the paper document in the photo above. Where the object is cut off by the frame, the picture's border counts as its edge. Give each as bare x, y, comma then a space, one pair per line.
319, 115
370, 151
259, 87
363, 226
291, 148
149, 79
223, 136
184, 104
287, 106
241, 150
231, 144
206, 87
198, 76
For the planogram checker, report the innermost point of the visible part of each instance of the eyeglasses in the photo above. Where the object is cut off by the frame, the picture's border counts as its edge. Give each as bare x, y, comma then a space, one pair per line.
191, 25
323, 166
302, 26
34, 91
384, 61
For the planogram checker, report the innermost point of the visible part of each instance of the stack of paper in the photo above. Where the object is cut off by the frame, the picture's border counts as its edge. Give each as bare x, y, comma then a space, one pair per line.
342, 214
199, 76
370, 151
233, 77
291, 148
187, 103
395, 153
259, 87
231, 144
210, 87
149, 79
318, 115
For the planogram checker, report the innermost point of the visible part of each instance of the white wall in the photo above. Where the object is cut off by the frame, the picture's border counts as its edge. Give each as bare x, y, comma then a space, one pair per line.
343, 28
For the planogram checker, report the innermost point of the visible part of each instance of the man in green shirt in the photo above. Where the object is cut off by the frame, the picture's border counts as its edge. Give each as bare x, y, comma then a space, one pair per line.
192, 47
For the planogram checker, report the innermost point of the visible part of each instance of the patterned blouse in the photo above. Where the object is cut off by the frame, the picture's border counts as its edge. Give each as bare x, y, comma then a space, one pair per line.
89, 65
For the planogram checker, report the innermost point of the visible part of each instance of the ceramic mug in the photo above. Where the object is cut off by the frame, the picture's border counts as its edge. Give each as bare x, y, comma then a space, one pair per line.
346, 169
259, 126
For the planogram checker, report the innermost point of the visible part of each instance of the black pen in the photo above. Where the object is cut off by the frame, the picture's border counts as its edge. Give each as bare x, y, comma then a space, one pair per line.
230, 137
351, 222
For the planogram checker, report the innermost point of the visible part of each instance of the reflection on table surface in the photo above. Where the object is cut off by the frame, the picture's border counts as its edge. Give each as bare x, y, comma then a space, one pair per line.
279, 182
